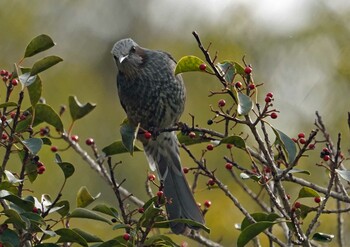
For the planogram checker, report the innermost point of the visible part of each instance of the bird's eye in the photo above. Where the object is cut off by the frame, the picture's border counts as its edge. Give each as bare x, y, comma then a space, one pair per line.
133, 49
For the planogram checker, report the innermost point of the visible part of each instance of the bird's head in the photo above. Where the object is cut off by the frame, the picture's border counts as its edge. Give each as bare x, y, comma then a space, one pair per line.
128, 55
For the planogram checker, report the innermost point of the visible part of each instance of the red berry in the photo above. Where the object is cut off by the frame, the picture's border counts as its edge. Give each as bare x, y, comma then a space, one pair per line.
4, 136
185, 170
274, 115
141, 210
326, 150
229, 145
160, 193
228, 166
238, 84
302, 140
192, 135
203, 66
41, 169
248, 70
268, 99
317, 199
12, 115
147, 135
251, 86
222, 103
270, 95
151, 177
35, 210
211, 182
288, 196
4, 72
207, 204
22, 117
326, 157
89, 141
14, 82
44, 131
312, 146
39, 164
126, 236
210, 147
3, 118
301, 135
267, 169
54, 149
297, 204
74, 138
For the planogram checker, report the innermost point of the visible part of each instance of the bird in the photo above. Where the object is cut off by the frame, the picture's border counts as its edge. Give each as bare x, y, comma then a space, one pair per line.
154, 98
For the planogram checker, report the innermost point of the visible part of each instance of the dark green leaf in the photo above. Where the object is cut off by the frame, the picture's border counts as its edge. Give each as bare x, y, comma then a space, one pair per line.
24, 124
8, 104
160, 240
254, 177
44, 64
84, 213
34, 91
33, 144
68, 235
38, 44
9, 238
190, 63
67, 168
307, 192
47, 245
84, 198
44, 113
287, 144
252, 231
245, 104
237, 141
78, 110
227, 69
34, 218
121, 226
87, 236
103, 208
24, 204
323, 237
239, 69
344, 174
259, 217
117, 147
6, 185
16, 219
113, 243
64, 210
129, 134
46, 141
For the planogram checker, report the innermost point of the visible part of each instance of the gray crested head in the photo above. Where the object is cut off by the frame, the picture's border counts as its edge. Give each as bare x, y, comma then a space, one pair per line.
128, 55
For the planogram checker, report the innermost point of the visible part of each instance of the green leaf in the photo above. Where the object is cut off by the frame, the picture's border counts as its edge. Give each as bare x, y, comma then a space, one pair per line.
246, 176
44, 113
129, 134
237, 141
185, 139
160, 240
307, 192
47, 245
286, 143
9, 238
78, 110
67, 168
84, 213
294, 170
239, 69
34, 218
68, 235
121, 226
34, 91
190, 63
64, 208
113, 243
38, 44
24, 204
117, 147
227, 69
322, 237
33, 144
252, 231
103, 208
44, 64
259, 217
245, 104
8, 104
84, 197
87, 236
16, 219
11, 178
31, 171
344, 174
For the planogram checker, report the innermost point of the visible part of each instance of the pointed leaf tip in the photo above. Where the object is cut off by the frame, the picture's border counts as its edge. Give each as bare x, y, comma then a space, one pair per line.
38, 44
79, 110
191, 63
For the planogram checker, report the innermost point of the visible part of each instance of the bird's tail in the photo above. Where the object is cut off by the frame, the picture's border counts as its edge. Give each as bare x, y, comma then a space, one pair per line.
163, 155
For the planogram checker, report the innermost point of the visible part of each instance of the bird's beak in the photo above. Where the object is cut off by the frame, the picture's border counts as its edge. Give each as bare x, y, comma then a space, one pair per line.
122, 58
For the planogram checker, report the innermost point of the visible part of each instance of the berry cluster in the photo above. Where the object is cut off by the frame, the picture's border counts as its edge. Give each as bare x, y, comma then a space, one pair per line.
8, 77
325, 154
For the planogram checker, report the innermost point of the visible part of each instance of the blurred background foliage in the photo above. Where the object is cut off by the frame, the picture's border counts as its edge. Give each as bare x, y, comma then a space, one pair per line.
299, 49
